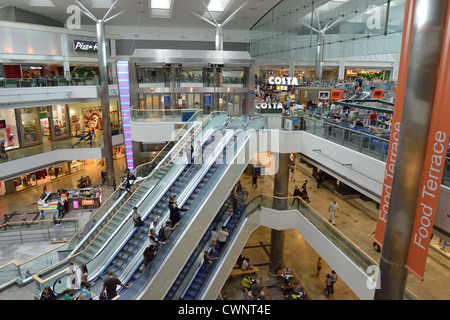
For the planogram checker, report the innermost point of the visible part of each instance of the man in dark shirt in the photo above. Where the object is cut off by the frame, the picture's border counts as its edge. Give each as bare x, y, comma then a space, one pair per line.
111, 284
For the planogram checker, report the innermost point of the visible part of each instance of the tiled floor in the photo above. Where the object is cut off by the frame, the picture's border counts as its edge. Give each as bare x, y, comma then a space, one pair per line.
357, 220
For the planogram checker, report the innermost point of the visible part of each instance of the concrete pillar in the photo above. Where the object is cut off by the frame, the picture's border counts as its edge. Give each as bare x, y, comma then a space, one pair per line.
276, 251
104, 96
281, 186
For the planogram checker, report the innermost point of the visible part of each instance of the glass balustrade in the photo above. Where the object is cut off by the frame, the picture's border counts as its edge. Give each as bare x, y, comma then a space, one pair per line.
368, 141
165, 115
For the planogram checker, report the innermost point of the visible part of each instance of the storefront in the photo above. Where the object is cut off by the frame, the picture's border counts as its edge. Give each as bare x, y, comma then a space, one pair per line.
84, 116
8, 128
42, 124
368, 74
25, 127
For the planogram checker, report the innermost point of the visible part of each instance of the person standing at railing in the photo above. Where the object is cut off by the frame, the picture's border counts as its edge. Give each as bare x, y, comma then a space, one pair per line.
297, 195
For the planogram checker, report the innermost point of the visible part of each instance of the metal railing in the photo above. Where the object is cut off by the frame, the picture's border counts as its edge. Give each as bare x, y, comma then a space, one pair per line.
165, 115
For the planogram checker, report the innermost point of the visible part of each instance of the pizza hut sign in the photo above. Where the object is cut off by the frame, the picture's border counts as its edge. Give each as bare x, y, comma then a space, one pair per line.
85, 46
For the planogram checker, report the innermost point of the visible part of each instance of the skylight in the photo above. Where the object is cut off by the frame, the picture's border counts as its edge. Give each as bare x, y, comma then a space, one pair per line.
40, 3
161, 4
102, 4
160, 8
218, 5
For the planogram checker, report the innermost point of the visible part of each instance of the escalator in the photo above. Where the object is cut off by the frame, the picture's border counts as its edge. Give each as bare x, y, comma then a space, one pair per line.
123, 258
110, 230
192, 281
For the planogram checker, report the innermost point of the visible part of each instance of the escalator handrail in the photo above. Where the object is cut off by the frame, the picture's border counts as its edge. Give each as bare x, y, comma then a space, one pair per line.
246, 212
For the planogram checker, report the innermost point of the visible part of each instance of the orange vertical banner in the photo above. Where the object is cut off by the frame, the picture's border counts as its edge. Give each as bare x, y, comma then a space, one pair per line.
396, 119
434, 166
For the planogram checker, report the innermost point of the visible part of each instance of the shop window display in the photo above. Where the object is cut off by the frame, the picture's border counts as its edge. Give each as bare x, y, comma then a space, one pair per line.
8, 129
92, 119
29, 125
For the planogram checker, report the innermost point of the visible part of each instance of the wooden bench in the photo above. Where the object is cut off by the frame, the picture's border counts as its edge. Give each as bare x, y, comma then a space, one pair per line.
240, 272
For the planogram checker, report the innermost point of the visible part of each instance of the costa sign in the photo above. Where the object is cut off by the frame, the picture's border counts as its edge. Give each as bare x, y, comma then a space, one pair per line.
289, 81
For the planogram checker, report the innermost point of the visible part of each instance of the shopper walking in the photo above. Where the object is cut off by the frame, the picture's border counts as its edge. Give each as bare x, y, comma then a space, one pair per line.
214, 239
6, 222
137, 219
332, 209
48, 294
24, 220
297, 196
319, 265
255, 180
327, 289
334, 278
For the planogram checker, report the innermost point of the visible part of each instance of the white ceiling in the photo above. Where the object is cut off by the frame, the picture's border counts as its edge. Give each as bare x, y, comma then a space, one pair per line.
138, 14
